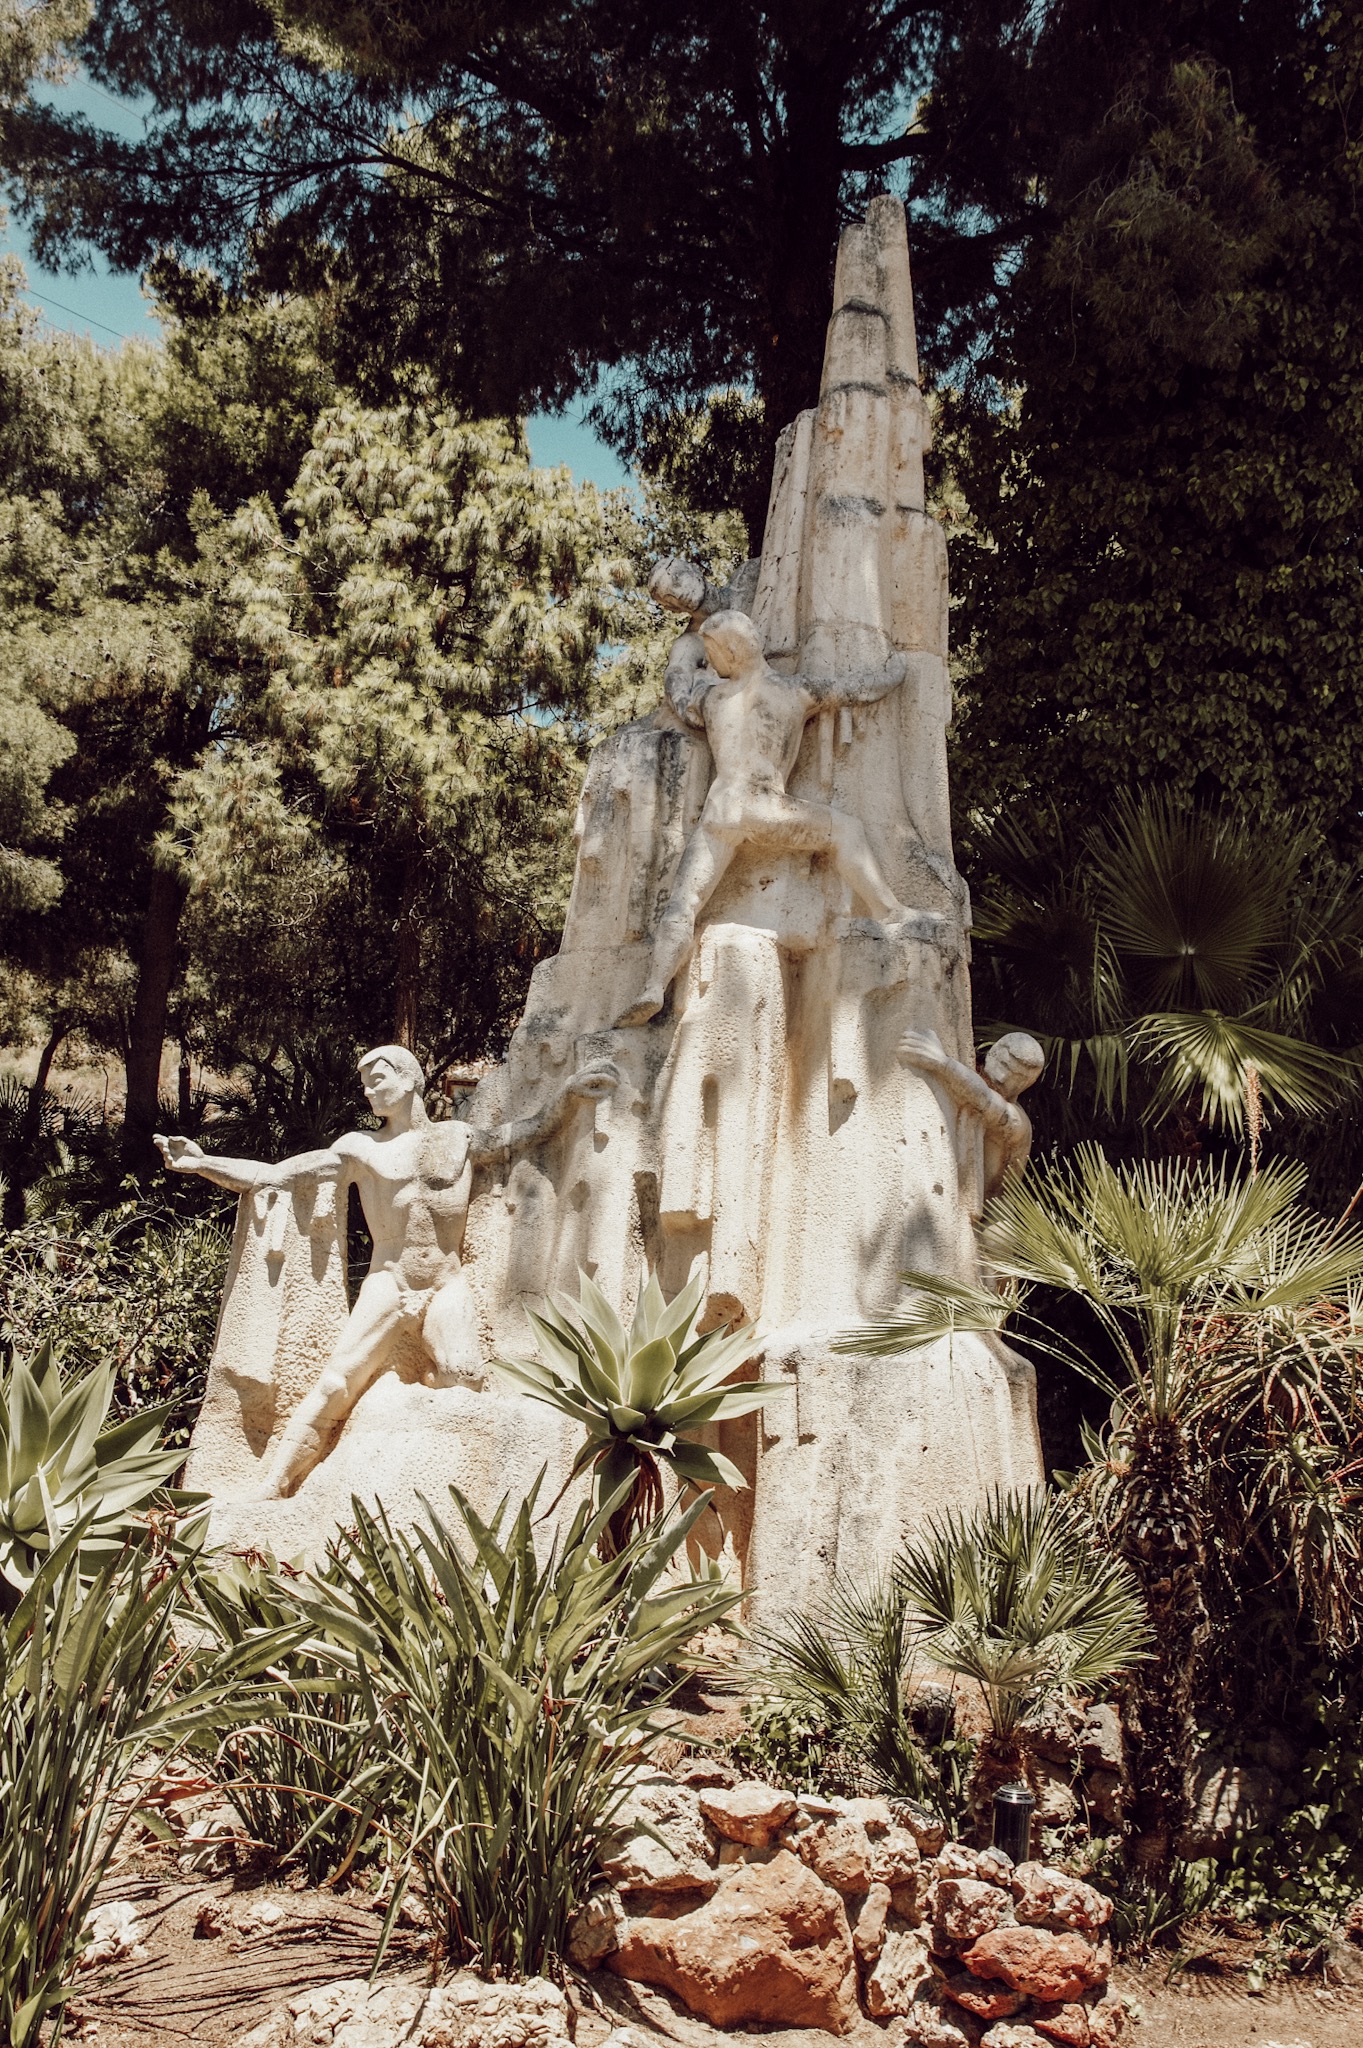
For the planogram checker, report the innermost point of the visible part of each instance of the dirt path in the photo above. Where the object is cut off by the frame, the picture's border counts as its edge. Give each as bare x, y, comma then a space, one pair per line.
217, 1955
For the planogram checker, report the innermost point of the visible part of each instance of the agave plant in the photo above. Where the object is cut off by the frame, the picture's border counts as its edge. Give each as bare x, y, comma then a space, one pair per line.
635, 1391
1170, 1259
1015, 1597
63, 1464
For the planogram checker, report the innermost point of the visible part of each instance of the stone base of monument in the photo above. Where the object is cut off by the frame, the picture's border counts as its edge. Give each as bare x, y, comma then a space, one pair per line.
758, 1907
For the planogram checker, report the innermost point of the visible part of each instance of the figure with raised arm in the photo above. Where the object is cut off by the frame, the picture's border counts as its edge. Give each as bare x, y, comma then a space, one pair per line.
414, 1179
719, 681
1011, 1065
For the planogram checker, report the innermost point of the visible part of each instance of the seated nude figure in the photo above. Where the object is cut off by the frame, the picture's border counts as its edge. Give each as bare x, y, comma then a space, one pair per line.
1011, 1065
414, 1179
718, 679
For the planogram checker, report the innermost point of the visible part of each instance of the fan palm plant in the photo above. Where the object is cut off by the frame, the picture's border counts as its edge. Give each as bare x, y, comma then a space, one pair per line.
1014, 1597
635, 1391
1180, 955
1164, 1256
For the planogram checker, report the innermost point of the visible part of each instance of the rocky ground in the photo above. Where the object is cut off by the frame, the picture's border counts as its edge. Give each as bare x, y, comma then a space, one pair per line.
226, 1962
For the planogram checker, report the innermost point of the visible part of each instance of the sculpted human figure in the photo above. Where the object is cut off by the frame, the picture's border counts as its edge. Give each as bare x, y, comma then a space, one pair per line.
414, 1179
1011, 1065
718, 680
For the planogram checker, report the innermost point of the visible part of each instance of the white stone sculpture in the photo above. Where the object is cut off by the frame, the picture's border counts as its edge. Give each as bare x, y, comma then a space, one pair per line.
765, 1119
413, 1178
754, 719
987, 1100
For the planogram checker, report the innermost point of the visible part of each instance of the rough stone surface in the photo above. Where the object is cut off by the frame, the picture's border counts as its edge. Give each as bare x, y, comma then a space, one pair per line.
1011, 2034
927, 1830
771, 1945
1056, 1967
985, 2001
750, 1813
1108, 2021
1068, 2024
680, 1861
1229, 1801
596, 1929
839, 1852
766, 1121
1103, 1790
466, 2013
1056, 1801
989, 1866
1054, 1733
868, 1934
1100, 1741
895, 1860
902, 1969
927, 2025
1048, 1898
963, 1909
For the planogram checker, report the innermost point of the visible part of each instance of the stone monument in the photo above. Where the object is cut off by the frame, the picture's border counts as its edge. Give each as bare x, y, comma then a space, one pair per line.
753, 1047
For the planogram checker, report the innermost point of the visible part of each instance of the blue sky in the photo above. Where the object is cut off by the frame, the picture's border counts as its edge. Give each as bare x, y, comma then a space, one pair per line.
109, 307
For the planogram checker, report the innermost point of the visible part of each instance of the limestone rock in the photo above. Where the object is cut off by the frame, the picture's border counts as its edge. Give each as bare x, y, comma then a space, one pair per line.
868, 1935
772, 1945
903, 1969
872, 1814
1011, 2034
926, 2025
927, 1829
1048, 1898
1068, 2024
1055, 1967
964, 1908
839, 1852
1229, 1800
985, 2001
467, 2013
1056, 1803
895, 1860
1053, 1732
702, 1772
750, 1813
1107, 2021
1100, 1741
989, 1866
596, 1929
681, 1861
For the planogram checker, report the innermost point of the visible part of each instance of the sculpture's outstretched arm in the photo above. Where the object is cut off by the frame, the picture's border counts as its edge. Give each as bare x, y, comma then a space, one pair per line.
183, 1155
857, 686
589, 1084
967, 1089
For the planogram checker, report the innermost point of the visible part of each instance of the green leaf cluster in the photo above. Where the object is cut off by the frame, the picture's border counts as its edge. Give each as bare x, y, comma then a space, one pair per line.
636, 1391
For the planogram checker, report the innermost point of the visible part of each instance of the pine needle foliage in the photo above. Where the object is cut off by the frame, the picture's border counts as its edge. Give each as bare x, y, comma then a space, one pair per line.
635, 1391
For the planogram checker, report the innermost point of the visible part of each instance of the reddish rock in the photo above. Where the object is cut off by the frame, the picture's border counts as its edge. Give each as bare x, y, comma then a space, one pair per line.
838, 1851
1048, 1898
872, 1814
772, 1945
1068, 2024
1107, 2021
1010, 2034
926, 2025
868, 1936
988, 1866
964, 1908
902, 1973
986, 2001
894, 1857
1055, 1967
750, 1813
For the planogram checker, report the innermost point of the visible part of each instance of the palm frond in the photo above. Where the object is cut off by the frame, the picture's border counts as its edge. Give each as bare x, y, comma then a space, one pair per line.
1210, 1056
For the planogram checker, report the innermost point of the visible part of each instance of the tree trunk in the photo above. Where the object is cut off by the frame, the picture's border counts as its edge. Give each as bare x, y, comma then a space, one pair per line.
407, 976
147, 1037
1162, 1539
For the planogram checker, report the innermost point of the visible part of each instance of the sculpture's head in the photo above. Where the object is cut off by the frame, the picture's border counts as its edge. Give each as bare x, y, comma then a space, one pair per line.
1013, 1063
677, 585
732, 643
391, 1077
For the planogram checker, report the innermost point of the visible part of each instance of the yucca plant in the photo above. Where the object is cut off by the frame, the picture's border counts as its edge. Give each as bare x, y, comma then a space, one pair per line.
91, 1682
636, 1391
1162, 1255
63, 1464
517, 1694
1014, 1596
310, 1772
